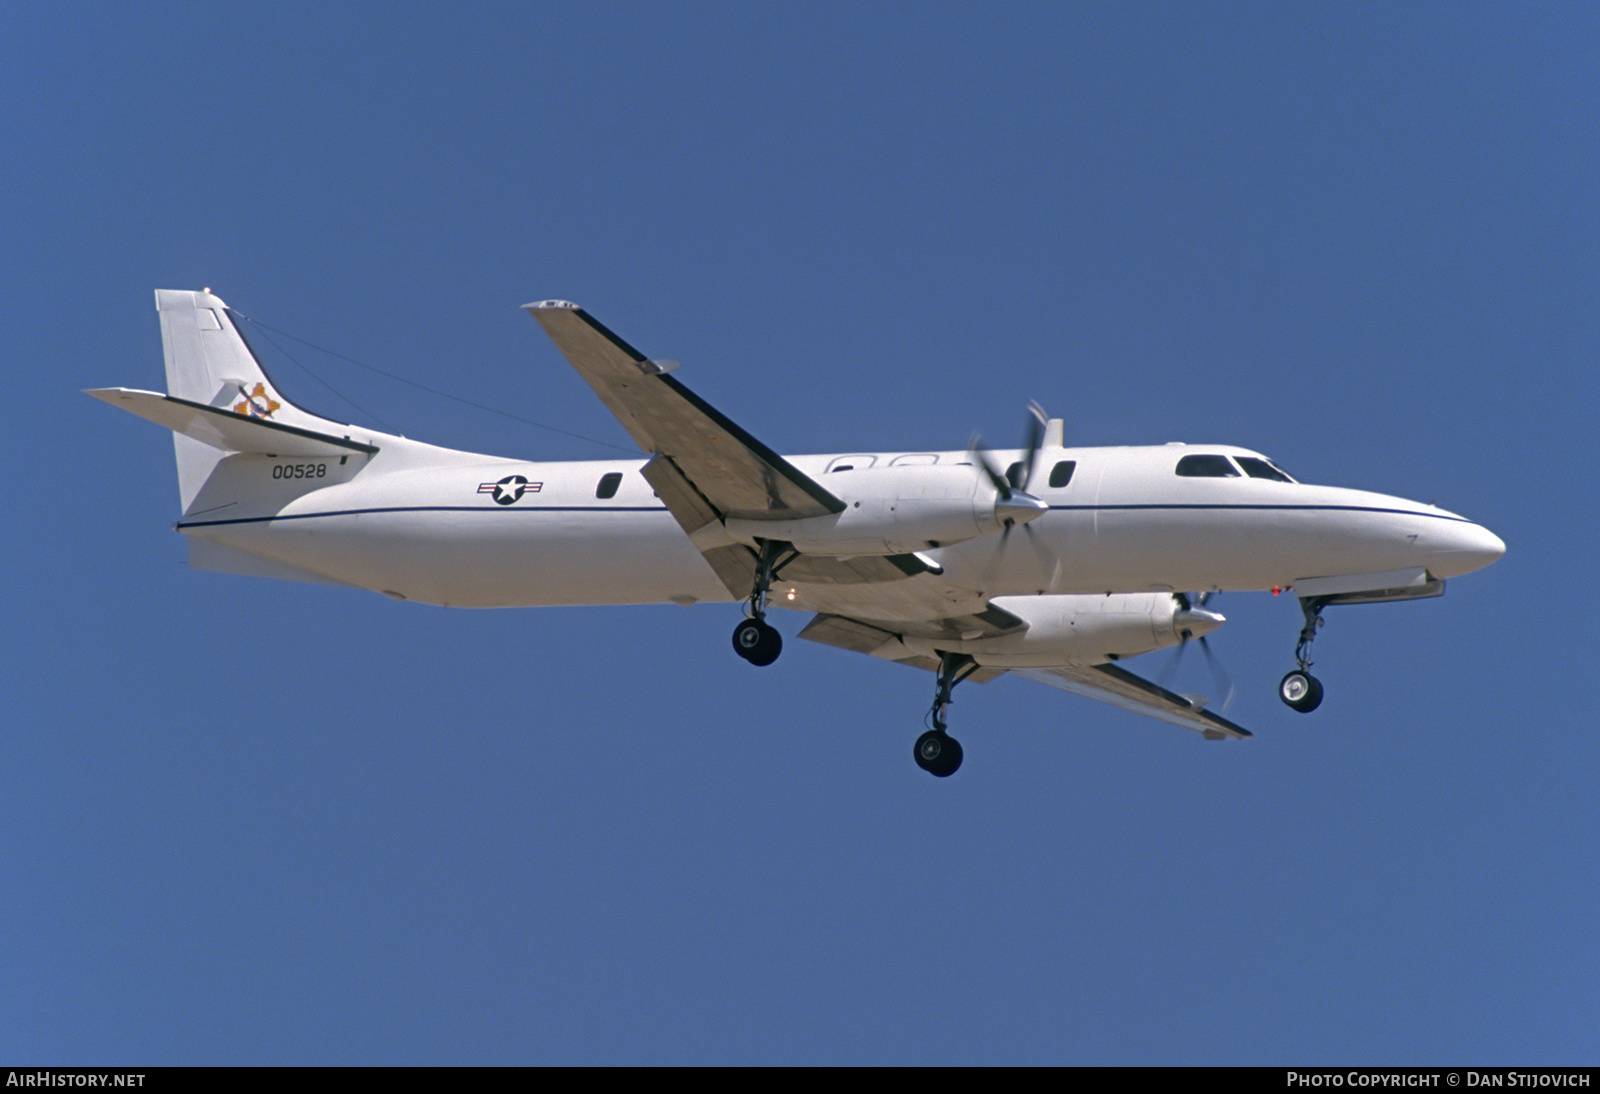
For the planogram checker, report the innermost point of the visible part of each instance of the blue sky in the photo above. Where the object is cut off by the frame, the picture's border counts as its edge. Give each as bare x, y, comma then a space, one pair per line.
250, 822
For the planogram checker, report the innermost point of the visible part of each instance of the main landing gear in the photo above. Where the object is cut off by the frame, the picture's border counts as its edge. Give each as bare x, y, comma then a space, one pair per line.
1299, 690
756, 640
936, 751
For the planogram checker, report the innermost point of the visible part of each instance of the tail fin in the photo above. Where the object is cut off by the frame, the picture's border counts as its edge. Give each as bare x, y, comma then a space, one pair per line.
210, 363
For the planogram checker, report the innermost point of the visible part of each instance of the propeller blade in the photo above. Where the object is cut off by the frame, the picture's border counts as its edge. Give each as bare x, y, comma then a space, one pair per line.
1194, 605
992, 571
1013, 504
1001, 484
1049, 565
1036, 420
1219, 674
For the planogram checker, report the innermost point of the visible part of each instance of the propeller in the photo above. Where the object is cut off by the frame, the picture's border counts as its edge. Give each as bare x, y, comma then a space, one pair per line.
1193, 621
1013, 505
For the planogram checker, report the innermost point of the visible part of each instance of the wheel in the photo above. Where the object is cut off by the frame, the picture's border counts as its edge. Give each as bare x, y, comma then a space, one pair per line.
938, 753
757, 642
1301, 691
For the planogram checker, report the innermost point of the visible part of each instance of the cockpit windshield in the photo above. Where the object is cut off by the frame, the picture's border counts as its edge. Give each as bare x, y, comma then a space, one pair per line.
1258, 468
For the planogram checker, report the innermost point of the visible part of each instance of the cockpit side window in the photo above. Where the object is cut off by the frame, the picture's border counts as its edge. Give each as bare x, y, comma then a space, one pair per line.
608, 484
1258, 468
1207, 467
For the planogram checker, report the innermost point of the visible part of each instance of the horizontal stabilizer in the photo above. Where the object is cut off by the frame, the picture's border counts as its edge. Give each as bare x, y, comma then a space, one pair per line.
225, 430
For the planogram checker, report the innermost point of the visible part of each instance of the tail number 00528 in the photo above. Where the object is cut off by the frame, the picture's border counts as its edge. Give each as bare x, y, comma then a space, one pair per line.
300, 471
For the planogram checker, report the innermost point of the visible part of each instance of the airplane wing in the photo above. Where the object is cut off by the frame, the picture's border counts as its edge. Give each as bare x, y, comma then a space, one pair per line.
1108, 683
704, 467
1119, 687
736, 473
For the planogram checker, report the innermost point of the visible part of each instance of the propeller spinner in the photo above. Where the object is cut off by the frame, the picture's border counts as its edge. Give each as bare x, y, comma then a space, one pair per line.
1013, 504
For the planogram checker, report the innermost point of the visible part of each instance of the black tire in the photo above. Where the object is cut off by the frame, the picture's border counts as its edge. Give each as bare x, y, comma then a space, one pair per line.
746, 638
1300, 691
937, 753
757, 642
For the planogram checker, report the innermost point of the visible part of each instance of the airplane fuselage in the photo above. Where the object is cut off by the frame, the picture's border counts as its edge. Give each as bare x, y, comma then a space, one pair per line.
458, 529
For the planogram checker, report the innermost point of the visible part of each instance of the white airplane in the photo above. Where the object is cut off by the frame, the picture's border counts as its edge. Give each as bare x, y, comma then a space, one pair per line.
908, 556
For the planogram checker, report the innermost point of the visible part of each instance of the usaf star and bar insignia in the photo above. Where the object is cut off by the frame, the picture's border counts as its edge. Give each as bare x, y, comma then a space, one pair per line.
509, 490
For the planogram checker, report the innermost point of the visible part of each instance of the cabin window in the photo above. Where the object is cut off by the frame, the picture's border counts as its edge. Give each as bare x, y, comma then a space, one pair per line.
1258, 468
608, 484
1207, 467
1060, 474
850, 463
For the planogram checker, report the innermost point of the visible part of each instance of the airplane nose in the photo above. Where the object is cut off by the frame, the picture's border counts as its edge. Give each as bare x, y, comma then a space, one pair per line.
1466, 547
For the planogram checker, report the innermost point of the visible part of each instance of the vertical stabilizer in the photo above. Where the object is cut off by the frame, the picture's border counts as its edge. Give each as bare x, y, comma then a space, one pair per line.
209, 362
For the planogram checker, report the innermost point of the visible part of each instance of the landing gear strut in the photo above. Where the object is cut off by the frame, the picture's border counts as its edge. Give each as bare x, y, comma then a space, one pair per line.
1299, 689
756, 640
936, 751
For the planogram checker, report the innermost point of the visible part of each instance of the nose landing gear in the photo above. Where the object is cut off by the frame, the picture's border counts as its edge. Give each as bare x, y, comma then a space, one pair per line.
1299, 690
937, 752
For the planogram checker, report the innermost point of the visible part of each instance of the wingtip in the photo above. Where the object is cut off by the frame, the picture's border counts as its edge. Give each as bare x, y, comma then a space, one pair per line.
551, 305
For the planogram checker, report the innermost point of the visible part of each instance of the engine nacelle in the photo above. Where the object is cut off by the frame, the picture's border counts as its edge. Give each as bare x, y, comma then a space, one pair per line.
889, 510
1081, 630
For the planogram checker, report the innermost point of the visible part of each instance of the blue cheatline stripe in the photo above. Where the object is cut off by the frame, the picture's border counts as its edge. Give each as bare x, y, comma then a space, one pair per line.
1284, 508
431, 509
662, 509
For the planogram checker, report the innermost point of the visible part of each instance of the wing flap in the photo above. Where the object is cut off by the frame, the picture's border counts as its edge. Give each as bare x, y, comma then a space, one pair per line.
687, 505
858, 570
735, 564
847, 634
861, 637
869, 635
225, 430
